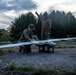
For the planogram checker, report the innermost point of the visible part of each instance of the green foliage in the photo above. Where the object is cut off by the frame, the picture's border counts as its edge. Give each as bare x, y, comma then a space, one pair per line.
10, 51
1, 51
11, 67
0, 34
38, 71
63, 24
5, 35
38, 29
21, 23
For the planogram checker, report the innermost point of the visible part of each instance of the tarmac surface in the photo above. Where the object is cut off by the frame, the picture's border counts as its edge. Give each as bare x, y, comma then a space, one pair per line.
63, 57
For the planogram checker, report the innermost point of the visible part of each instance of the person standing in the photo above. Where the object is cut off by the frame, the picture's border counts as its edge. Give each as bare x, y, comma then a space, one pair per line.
46, 26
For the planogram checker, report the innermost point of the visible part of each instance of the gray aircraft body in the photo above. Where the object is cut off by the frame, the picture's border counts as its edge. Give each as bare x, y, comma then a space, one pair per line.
51, 41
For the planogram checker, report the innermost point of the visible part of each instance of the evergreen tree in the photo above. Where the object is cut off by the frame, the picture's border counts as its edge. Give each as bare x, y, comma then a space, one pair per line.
63, 24
20, 23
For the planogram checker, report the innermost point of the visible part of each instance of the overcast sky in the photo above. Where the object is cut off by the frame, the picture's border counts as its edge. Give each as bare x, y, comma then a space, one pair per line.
9, 9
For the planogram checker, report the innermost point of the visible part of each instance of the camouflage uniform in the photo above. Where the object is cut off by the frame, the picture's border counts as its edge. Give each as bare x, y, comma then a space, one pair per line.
26, 37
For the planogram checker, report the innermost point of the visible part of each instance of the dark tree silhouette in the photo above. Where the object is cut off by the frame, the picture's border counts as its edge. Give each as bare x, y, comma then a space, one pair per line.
21, 23
63, 24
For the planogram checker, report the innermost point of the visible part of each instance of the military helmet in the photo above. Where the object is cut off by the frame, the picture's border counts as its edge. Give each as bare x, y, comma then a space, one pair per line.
31, 26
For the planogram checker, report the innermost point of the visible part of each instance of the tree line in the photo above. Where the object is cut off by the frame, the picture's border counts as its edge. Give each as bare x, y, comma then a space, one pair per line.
4, 35
63, 25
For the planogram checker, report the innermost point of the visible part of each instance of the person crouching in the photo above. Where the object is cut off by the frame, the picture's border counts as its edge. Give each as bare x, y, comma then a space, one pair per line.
27, 37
